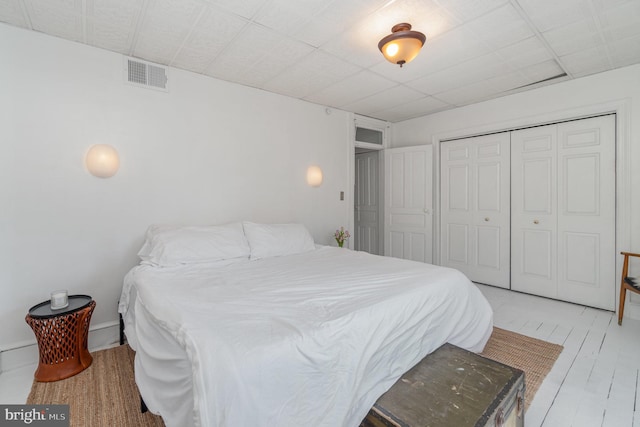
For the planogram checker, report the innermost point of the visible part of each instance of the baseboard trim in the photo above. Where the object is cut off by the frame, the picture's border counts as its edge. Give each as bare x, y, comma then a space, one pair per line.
102, 335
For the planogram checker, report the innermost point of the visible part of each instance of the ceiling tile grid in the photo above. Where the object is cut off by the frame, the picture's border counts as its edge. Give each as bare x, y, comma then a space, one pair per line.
325, 51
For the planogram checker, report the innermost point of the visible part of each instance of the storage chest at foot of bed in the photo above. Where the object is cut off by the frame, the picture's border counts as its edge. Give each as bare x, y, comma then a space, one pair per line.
452, 387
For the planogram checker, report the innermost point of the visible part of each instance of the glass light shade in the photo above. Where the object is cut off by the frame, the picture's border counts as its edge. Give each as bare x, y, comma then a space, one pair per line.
102, 160
402, 45
314, 176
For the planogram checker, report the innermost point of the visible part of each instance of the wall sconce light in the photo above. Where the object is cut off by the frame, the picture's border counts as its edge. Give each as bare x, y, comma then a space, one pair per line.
402, 45
314, 176
102, 160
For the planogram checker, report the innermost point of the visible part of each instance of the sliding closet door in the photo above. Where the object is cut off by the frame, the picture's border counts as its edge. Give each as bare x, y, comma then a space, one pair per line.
475, 207
534, 211
586, 208
563, 211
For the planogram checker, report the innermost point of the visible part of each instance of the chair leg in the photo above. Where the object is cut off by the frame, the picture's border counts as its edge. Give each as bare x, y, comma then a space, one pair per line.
623, 294
623, 288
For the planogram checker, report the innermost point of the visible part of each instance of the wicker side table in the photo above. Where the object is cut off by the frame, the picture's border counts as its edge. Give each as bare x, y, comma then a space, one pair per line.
62, 337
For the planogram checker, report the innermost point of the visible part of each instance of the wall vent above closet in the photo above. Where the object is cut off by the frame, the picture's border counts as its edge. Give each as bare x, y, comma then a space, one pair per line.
146, 74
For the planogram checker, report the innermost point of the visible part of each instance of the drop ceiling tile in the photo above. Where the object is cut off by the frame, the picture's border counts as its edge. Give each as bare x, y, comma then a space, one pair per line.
467, 10
358, 45
111, 24
333, 21
287, 53
386, 99
507, 82
168, 22
11, 13
625, 52
425, 16
409, 110
542, 71
162, 53
574, 37
312, 74
601, 5
621, 22
250, 46
213, 32
351, 89
244, 8
500, 27
61, 18
524, 53
469, 94
483, 67
110, 37
286, 16
550, 14
586, 62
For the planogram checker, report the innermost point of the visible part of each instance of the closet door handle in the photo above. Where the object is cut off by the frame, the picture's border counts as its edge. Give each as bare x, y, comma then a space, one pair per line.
535, 221
486, 219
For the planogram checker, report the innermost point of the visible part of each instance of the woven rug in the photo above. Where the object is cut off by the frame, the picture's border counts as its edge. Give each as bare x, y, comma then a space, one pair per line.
535, 357
105, 394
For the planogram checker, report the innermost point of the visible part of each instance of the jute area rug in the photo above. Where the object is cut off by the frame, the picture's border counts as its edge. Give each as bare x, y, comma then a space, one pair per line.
535, 357
105, 394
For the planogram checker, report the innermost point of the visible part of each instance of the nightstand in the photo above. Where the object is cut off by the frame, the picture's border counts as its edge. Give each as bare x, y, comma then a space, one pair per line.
62, 337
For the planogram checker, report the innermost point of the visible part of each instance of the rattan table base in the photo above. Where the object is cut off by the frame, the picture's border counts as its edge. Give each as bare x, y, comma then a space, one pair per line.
62, 343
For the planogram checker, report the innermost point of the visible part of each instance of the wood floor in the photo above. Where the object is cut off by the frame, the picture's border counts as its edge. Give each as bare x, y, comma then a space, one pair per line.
594, 381
593, 384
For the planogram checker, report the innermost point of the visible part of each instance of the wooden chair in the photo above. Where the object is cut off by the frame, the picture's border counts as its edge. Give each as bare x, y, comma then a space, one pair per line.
627, 283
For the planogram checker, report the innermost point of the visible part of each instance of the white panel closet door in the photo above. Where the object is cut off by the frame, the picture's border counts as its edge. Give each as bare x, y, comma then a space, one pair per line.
563, 211
475, 207
586, 208
534, 258
409, 203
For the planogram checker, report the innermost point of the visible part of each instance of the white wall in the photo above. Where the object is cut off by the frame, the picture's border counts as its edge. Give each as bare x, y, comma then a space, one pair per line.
207, 152
618, 89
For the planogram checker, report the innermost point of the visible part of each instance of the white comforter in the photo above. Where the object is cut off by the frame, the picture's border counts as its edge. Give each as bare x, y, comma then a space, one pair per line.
311, 339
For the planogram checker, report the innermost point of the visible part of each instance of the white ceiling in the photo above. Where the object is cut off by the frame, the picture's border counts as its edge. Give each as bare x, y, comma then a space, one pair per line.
325, 51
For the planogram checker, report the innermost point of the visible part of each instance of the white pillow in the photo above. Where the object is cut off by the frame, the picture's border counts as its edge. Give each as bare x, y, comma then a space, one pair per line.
269, 240
168, 246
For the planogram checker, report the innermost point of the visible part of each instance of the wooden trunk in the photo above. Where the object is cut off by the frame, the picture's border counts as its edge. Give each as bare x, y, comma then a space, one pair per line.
452, 387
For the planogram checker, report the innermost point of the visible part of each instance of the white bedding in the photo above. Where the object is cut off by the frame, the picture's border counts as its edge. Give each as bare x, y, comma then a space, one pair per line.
311, 339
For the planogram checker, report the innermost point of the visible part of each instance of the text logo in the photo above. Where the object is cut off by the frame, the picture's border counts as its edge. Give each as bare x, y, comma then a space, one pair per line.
34, 415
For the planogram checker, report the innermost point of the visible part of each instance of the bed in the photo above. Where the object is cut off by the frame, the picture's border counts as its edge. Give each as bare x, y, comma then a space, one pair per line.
254, 325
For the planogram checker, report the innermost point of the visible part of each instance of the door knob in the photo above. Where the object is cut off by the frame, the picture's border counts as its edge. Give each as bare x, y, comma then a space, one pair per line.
535, 221
486, 219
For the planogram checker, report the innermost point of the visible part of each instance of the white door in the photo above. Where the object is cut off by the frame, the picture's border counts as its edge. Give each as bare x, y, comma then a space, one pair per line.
564, 211
366, 207
534, 212
475, 208
409, 203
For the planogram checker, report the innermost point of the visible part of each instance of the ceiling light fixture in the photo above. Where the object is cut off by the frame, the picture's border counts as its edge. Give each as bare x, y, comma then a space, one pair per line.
402, 45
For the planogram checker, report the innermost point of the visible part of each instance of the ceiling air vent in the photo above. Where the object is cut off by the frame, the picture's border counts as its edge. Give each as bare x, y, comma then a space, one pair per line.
145, 74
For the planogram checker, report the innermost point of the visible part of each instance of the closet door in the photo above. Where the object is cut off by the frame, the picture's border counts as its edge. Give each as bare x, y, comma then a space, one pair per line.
563, 211
586, 212
475, 208
534, 211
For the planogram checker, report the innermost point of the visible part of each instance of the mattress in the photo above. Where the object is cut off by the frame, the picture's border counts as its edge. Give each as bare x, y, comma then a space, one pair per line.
306, 339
